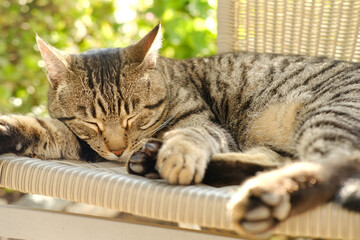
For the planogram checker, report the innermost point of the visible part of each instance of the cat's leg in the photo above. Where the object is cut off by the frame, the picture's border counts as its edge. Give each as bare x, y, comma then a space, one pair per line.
269, 198
328, 158
223, 169
234, 167
44, 138
185, 152
263, 156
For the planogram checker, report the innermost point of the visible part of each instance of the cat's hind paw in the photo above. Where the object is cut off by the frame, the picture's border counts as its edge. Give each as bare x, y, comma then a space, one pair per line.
143, 162
259, 205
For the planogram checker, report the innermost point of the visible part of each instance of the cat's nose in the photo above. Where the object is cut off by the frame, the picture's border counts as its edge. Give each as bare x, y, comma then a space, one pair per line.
118, 152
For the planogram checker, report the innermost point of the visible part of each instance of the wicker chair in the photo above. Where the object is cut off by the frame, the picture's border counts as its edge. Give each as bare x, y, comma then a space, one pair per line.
317, 27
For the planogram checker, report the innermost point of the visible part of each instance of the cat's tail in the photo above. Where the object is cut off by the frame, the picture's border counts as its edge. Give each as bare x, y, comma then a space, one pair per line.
346, 173
349, 193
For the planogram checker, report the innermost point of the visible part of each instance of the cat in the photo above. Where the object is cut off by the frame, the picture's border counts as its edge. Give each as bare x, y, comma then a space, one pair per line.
296, 117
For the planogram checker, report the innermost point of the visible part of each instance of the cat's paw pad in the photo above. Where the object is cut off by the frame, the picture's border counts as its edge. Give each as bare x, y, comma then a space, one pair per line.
259, 206
181, 162
143, 162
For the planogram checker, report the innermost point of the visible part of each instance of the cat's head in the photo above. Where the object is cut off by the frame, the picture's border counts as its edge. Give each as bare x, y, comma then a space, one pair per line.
112, 98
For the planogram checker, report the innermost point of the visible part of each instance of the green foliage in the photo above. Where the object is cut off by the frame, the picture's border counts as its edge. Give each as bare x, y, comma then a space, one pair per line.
75, 26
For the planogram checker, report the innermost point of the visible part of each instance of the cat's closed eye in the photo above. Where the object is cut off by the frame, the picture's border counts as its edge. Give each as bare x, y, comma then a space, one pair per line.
155, 105
128, 122
85, 130
95, 126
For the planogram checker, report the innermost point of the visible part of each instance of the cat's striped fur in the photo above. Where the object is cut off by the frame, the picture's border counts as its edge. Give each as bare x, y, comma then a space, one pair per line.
267, 108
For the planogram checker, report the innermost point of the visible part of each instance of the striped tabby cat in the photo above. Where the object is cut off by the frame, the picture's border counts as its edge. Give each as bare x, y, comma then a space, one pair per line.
129, 104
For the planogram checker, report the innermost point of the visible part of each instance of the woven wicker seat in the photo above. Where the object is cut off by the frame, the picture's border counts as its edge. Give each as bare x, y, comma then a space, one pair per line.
108, 185
329, 28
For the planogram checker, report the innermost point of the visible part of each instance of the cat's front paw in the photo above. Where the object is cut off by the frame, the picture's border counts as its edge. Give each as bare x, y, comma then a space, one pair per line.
180, 161
261, 203
143, 162
10, 139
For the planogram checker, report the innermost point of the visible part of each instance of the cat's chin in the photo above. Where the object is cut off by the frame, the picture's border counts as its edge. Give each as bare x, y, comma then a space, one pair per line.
110, 156
125, 156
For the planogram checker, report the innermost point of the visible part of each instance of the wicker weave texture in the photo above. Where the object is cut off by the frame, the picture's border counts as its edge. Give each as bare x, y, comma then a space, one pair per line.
106, 185
306, 27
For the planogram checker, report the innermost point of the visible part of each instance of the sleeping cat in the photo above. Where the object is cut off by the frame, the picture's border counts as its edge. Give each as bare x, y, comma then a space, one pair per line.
170, 117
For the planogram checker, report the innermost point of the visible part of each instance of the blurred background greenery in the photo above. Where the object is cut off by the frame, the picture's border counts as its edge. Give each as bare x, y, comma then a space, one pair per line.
189, 28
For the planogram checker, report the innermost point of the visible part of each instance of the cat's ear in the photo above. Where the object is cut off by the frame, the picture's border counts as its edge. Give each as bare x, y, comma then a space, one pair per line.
146, 50
56, 62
